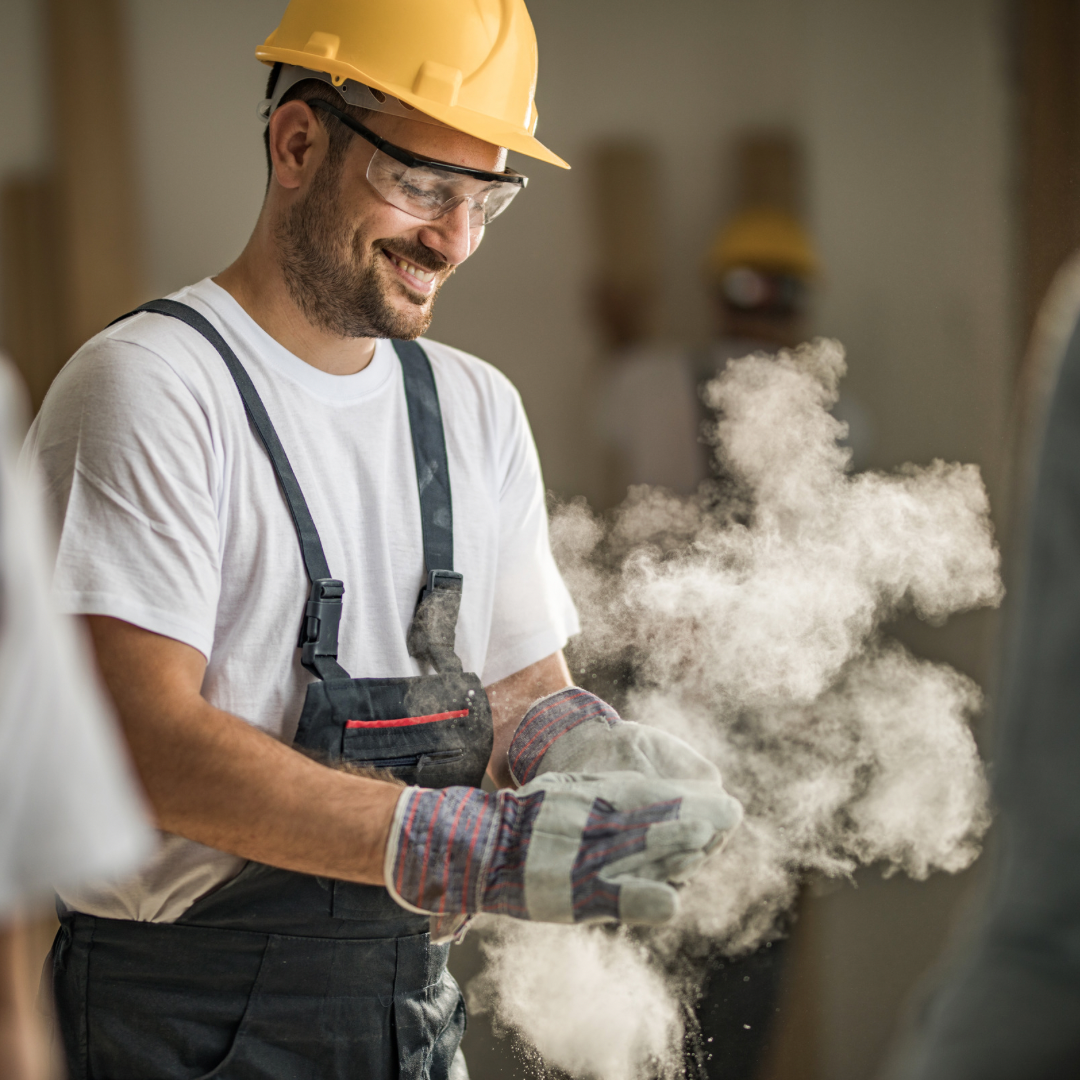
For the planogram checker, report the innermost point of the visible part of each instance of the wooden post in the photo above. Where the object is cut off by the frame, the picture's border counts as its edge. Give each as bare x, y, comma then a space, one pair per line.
30, 276
625, 206
100, 257
768, 167
70, 255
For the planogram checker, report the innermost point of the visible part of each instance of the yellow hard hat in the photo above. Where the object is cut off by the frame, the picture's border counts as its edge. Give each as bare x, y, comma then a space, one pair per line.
470, 64
764, 238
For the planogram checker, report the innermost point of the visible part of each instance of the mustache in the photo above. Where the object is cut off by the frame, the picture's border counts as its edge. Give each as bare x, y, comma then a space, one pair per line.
417, 254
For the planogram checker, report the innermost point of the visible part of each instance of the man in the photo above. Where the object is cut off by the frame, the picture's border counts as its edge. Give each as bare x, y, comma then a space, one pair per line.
69, 809
270, 452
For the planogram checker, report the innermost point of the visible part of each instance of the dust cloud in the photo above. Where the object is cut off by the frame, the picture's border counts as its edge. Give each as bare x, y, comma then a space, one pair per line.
748, 620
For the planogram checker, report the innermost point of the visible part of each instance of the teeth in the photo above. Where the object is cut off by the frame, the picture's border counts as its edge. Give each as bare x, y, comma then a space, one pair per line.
414, 271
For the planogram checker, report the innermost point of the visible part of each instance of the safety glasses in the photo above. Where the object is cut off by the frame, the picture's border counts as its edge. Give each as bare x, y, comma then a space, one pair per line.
425, 188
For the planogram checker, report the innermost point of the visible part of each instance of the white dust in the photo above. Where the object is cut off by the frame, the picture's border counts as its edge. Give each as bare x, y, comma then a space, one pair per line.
750, 617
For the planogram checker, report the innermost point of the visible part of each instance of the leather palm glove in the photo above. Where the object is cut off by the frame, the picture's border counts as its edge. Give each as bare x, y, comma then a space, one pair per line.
564, 849
575, 731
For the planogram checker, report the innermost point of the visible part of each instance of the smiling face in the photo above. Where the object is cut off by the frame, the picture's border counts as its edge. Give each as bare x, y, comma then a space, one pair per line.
355, 265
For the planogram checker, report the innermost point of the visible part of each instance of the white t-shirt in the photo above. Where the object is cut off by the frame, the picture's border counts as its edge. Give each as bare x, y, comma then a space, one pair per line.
70, 811
171, 518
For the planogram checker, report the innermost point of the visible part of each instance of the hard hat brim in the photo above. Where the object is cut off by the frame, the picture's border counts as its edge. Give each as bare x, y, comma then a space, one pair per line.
471, 123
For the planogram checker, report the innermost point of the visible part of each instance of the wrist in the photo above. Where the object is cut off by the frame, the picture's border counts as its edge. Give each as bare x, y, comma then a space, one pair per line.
372, 802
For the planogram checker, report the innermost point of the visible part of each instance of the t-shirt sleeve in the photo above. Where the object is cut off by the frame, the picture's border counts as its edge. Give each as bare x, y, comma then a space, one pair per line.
127, 450
533, 615
70, 812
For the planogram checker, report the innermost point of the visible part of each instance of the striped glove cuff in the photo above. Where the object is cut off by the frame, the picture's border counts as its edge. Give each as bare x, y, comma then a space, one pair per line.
459, 850
547, 721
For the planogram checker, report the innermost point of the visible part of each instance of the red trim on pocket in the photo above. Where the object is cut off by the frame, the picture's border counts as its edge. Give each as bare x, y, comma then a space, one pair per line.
407, 721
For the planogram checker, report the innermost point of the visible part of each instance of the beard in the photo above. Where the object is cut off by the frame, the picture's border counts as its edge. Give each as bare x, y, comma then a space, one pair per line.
333, 275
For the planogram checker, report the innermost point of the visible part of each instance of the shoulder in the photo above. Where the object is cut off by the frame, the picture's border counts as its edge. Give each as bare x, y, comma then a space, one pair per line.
143, 388
467, 377
481, 408
152, 337
144, 361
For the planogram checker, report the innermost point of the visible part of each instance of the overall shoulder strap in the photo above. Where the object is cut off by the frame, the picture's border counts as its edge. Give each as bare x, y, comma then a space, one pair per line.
322, 614
432, 633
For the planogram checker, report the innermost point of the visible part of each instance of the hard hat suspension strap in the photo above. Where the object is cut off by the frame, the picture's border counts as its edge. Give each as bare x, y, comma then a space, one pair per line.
352, 93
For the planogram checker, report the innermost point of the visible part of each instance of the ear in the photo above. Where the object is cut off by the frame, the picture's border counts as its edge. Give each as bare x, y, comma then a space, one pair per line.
298, 143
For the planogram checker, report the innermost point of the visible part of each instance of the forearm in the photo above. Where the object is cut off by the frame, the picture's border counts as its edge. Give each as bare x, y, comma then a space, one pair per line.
264, 801
230, 786
511, 697
23, 1054
214, 778
9, 953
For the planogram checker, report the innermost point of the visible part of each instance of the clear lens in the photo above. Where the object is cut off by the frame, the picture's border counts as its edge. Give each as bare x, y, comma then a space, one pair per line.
427, 192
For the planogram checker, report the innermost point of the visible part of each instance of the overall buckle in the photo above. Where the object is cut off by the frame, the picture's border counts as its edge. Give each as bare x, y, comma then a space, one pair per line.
319, 631
440, 580
434, 626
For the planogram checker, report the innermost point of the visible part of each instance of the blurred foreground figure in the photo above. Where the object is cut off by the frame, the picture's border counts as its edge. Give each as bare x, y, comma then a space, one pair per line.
1011, 1009
69, 811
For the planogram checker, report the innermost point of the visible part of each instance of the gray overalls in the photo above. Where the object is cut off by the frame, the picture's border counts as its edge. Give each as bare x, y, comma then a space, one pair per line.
278, 975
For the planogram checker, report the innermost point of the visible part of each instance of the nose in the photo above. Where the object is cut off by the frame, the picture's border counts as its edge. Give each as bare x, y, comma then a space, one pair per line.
450, 236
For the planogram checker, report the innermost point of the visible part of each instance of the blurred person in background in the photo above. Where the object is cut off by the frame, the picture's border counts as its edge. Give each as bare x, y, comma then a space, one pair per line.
1009, 1008
760, 269
70, 812
265, 484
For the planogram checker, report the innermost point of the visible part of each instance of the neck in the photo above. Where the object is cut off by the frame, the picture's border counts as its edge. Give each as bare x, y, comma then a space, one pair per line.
256, 283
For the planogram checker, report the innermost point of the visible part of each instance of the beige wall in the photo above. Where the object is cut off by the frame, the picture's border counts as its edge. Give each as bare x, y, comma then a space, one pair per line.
909, 122
904, 108
198, 140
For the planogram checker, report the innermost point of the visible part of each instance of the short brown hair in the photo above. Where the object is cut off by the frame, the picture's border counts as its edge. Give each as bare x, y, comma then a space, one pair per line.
305, 90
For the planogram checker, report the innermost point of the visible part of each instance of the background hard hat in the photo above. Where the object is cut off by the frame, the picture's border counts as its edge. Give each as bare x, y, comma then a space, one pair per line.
469, 63
764, 238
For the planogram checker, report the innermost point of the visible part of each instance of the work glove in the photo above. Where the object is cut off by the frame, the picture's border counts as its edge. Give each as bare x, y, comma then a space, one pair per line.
563, 849
575, 731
